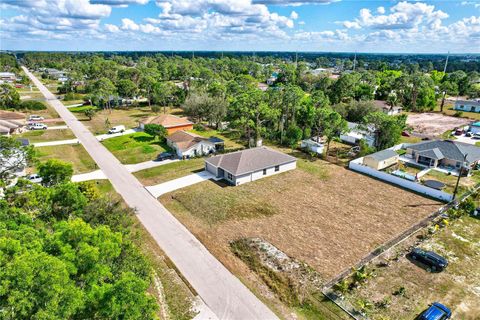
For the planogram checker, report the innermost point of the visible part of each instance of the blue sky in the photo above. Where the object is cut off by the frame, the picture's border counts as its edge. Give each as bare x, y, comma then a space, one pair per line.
247, 25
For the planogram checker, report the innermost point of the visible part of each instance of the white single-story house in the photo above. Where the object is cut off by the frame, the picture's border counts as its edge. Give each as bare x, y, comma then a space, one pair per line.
468, 105
356, 133
11, 122
189, 145
7, 77
381, 159
312, 145
249, 165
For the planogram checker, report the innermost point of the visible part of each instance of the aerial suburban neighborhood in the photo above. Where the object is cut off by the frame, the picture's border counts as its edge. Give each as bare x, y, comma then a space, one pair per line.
239, 160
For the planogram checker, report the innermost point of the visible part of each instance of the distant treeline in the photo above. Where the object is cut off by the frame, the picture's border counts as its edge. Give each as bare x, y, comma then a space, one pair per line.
368, 61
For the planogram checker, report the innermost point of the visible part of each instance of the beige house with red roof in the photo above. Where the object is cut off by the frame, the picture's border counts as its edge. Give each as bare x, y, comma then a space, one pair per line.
170, 122
189, 145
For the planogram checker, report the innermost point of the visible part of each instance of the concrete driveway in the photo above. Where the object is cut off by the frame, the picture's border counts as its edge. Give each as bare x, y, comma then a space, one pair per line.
100, 137
57, 128
172, 185
222, 292
55, 143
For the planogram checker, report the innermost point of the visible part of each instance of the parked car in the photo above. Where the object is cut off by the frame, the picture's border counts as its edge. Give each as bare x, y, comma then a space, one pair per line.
117, 129
436, 311
476, 135
468, 134
35, 178
37, 126
34, 117
433, 261
164, 156
458, 132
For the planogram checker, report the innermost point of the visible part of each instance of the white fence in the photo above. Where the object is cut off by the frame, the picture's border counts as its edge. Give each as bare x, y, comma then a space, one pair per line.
357, 165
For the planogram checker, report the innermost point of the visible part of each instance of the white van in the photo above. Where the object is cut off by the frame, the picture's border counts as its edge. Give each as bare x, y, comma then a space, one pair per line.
117, 129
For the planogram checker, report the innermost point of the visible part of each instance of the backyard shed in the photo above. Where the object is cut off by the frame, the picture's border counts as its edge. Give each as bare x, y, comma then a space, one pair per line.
249, 165
381, 160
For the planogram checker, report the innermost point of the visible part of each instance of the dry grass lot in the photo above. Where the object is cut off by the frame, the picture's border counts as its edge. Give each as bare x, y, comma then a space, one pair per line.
320, 213
458, 287
434, 124
127, 117
47, 135
73, 153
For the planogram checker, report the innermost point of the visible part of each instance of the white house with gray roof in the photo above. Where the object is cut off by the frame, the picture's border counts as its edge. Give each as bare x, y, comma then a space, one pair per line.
444, 153
381, 159
249, 165
468, 105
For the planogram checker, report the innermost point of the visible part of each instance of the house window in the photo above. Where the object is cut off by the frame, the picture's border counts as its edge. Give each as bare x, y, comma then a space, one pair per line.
264, 171
277, 168
230, 176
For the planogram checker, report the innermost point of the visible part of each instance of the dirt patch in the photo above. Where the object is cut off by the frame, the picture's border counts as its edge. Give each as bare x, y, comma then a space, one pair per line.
328, 223
457, 287
434, 124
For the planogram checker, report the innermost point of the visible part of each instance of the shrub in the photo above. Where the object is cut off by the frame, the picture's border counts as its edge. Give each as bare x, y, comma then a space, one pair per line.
32, 105
72, 96
199, 127
458, 114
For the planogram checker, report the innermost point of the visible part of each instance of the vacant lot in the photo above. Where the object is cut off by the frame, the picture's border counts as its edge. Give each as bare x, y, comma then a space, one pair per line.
458, 287
74, 154
134, 148
47, 135
174, 170
230, 138
322, 214
434, 124
103, 120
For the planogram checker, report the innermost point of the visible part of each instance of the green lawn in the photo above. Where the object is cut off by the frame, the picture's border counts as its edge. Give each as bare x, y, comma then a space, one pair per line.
134, 148
170, 171
72, 153
47, 135
82, 108
451, 180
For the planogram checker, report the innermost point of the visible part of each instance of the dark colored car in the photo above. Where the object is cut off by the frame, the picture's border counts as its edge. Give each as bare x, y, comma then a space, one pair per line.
433, 261
459, 132
468, 134
437, 311
164, 156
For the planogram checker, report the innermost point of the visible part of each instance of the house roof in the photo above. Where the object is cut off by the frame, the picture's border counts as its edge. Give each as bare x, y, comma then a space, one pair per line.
250, 160
383, 155
185, 140
448, 149
468, 102
434, 153
10, 115
167, 120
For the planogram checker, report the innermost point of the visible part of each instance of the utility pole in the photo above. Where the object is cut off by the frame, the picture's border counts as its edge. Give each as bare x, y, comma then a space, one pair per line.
459, 175
444, 92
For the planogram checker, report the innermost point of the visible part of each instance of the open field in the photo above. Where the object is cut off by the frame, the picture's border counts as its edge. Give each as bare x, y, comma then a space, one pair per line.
169, 171
434, 124
458, 287
47, 135
74, 154
449, 111
134, 148
103, 120
316, 213
322, 214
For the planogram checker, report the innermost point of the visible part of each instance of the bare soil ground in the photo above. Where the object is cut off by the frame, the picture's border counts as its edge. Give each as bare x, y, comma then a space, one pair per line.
330, 223
434, 124
458, 287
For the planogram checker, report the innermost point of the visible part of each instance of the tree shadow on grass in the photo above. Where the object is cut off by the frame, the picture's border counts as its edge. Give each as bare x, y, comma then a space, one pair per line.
144, 139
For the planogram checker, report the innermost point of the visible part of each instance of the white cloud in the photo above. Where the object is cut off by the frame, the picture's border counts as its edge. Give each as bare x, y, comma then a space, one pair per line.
128, 24
294, 15
111, 28
293, 2
404, 15
381, 10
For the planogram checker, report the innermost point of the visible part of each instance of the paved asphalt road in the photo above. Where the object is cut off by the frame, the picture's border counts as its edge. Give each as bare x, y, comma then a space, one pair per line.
223, 293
